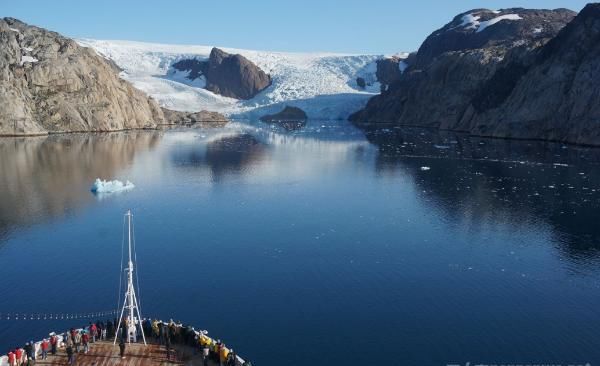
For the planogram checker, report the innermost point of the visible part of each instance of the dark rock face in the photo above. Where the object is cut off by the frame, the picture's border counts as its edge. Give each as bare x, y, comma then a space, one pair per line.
196, 68
457, 61
555, 96
469, 30
361, 82
202, 118
290, 118
229, 75
287, 114
388, 71
234, 76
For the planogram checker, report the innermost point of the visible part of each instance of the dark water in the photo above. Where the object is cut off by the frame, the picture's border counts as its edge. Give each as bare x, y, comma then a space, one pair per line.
315, 247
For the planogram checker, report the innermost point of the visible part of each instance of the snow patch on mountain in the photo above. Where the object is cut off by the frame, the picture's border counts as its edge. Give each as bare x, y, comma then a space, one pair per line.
489, 23
28, 59
472, 21
322, 84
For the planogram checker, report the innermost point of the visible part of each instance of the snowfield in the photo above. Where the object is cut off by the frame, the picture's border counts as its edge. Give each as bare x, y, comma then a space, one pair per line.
322, 84
471, 21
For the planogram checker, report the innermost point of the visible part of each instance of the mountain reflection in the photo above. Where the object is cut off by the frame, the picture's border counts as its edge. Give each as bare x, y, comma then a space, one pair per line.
477, 181
223, 153
268, 154
46, 177
233, 153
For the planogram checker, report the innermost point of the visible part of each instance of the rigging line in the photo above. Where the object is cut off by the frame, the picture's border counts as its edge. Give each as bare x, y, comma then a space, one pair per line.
137, 266
121, 270
54, 316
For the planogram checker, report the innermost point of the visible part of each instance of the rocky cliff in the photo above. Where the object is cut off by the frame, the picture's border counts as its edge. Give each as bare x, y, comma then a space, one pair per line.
555, 96
457, 61
229, 75
48, 83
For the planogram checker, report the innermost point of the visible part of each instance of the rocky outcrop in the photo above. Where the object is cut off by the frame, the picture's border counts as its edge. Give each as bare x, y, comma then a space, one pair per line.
48, 83
229, 75
388, 71
455, 63
554, 96
196, 68
290, 118
287, 114
203, 118
361, 82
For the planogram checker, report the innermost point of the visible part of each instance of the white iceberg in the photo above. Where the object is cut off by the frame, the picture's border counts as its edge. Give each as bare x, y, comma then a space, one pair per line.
110, 186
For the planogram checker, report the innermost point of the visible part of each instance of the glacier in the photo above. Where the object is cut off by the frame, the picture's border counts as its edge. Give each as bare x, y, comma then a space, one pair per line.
322, 84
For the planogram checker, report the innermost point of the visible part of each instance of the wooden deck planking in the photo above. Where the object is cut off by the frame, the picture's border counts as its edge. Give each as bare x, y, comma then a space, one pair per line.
105, 354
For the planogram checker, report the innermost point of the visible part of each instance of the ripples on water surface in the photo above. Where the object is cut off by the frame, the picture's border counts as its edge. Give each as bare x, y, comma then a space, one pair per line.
315, 246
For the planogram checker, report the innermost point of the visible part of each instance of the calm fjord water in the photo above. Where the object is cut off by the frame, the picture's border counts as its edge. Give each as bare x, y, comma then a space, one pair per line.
314, 247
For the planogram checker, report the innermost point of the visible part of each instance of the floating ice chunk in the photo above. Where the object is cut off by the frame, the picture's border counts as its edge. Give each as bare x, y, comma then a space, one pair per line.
538, 30
111, 186
425, 168
441, 146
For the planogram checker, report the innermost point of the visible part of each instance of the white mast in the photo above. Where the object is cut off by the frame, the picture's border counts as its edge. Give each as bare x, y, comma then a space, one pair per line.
130, 302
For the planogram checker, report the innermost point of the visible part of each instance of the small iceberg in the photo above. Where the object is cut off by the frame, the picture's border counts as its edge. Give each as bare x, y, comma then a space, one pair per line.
110, 186
425, 168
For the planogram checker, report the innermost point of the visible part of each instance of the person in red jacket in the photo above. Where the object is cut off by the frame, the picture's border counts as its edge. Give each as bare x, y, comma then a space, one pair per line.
85, 339
19, 356
93, 331
44, 347
53, 343
12, 358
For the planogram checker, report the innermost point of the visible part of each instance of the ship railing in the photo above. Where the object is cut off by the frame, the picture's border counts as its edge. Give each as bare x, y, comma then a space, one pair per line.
238, 362
38, 348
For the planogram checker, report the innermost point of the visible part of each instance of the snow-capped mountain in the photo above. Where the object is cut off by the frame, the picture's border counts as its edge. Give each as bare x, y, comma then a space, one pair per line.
322, 84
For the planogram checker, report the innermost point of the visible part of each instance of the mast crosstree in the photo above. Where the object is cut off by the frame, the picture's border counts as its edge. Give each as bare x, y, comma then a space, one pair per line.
130, 312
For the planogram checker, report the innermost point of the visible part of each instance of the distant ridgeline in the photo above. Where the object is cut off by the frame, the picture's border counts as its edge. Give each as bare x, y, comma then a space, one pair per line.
513, 73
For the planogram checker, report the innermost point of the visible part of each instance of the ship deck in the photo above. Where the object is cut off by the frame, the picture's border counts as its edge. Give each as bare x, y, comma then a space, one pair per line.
103, 353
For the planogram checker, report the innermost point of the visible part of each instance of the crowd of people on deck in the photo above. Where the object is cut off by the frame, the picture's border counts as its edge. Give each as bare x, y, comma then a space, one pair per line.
77, 341
74, 340
171, 333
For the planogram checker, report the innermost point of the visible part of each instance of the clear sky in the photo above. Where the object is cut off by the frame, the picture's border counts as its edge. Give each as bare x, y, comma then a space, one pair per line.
357, 26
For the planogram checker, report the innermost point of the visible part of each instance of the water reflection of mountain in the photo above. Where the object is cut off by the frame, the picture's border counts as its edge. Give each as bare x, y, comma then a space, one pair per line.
223, 153
478, 181
233, 153
241, 148
45, 177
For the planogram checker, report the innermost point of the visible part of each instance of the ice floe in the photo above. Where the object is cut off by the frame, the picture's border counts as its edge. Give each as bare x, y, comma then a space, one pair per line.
101, 186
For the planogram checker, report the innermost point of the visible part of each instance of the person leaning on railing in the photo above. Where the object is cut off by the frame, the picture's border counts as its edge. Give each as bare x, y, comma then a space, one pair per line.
44, 347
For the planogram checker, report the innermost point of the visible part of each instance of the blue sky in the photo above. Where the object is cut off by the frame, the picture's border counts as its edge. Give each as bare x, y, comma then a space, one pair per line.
360, 26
